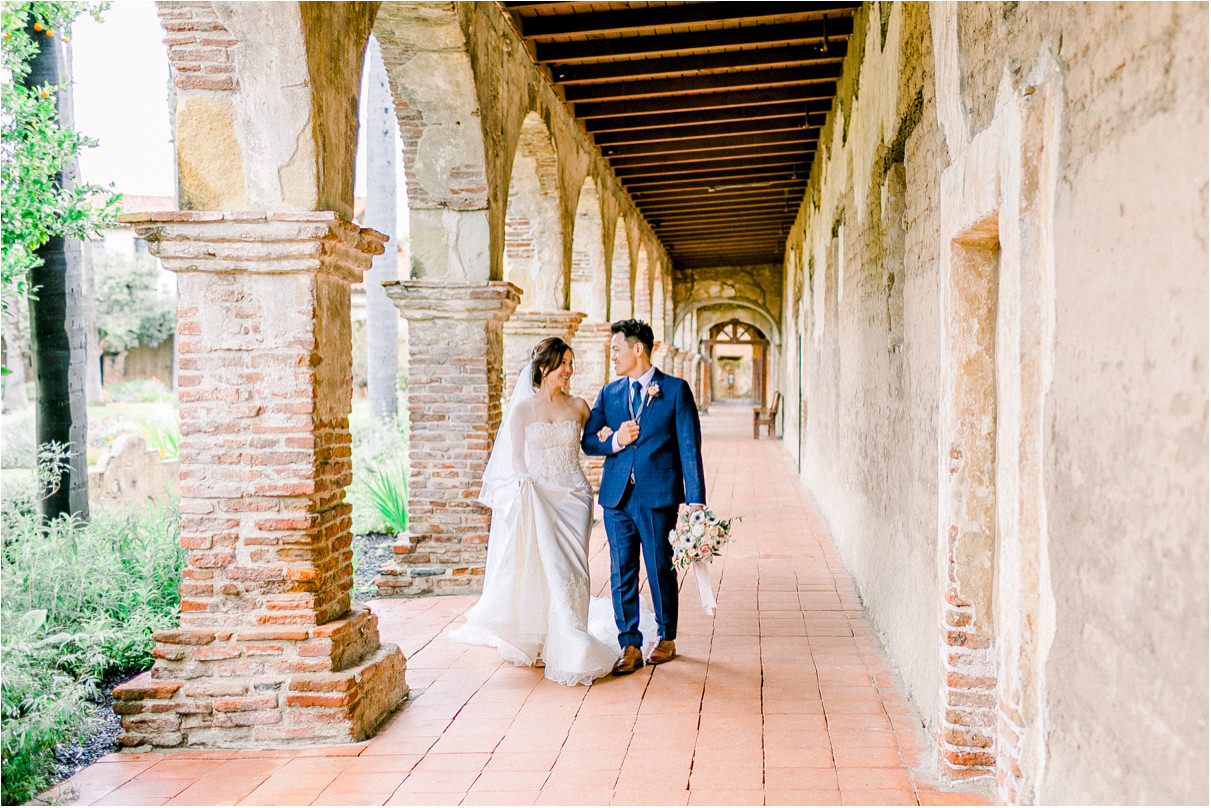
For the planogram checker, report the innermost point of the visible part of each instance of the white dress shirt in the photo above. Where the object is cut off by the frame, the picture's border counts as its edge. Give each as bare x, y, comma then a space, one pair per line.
644, 381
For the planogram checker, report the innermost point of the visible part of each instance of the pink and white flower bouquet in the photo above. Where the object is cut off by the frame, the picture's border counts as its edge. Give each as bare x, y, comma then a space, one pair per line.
698, 537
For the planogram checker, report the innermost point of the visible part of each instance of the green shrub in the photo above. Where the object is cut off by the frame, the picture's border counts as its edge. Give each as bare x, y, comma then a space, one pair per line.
80, 600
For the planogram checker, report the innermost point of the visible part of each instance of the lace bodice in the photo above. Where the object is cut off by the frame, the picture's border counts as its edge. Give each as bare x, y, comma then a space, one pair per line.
553, 453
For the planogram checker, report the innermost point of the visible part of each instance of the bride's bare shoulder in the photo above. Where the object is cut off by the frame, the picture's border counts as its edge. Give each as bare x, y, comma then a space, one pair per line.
581, 406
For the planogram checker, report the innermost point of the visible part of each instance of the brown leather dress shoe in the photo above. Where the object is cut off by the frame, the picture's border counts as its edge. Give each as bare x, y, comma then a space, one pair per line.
631, 661
663, 652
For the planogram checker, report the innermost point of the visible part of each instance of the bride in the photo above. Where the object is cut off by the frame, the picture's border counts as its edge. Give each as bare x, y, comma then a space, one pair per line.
535, 607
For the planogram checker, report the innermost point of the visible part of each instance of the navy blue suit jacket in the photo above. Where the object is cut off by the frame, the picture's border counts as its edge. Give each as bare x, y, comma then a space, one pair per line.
667, 457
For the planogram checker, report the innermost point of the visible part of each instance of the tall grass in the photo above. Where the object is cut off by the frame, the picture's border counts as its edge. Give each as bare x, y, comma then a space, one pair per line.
389, 493
377, 447
80, 600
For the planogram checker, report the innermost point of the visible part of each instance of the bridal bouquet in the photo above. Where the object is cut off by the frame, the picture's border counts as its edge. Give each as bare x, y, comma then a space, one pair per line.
696, 539
699, 535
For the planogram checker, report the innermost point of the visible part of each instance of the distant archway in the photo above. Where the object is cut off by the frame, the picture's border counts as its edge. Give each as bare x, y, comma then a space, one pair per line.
738, 356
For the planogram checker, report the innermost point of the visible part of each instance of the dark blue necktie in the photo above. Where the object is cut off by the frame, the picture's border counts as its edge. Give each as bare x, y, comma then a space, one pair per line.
636, 398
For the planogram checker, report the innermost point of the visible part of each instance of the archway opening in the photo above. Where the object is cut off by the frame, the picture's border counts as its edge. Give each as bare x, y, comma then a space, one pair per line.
739, 363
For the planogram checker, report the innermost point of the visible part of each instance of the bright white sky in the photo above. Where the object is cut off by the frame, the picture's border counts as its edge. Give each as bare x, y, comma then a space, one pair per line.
121, 95
121, 75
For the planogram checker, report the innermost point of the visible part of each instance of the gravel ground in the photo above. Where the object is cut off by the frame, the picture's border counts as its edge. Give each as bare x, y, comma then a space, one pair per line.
370, 553
99, 735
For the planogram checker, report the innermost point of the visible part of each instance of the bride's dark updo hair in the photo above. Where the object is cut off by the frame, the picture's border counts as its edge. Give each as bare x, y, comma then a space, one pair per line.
547, 356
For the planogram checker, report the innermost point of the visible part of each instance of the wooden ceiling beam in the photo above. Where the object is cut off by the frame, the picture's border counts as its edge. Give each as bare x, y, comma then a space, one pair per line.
816, 112
753, 225
806, 147
709, 83
684, 132
774, 209
705, 63
802, 93
732, 260
758, 182
750, 209
712, 178
722, 196
650, 203
709, 247
790, 163
750, 189
752, 230
711, 144
583, 23
838, 26
767, 209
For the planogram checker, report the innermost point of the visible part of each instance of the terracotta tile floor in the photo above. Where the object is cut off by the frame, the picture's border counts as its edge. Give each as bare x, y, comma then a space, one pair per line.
783, 698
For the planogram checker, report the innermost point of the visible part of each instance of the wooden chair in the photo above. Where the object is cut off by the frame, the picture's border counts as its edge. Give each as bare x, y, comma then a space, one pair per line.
766, 416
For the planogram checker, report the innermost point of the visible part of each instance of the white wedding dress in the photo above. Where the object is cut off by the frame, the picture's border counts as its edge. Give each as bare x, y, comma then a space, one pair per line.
536, 584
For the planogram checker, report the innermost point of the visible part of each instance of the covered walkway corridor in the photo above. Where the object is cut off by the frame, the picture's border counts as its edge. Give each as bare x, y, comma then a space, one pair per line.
784, 697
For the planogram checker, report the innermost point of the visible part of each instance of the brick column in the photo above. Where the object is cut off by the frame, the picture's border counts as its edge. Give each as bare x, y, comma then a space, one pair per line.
701, 392
268, 651
455, 387
676, 365
593, 370
661, 354
526, 329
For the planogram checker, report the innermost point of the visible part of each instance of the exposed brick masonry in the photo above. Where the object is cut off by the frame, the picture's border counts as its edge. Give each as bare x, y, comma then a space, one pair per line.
455, 386
199, 46
526, 329
268, 650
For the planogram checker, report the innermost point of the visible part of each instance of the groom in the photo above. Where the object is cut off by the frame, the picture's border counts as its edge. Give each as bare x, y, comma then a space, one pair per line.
653, 464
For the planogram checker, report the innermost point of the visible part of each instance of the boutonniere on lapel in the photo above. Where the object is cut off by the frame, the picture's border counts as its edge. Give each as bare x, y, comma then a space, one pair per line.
653, 392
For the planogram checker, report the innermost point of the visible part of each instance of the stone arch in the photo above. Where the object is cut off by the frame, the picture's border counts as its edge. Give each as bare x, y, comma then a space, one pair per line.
533, 244
642, 294
589, 275
266, 110
707, 313
433, 84
622, 275
657, 302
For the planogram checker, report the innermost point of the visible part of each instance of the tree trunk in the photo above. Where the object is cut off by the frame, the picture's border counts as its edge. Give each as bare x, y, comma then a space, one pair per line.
57, 332
382, 317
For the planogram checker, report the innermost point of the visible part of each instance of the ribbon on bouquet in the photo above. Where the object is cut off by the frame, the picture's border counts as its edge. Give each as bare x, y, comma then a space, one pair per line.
705, 595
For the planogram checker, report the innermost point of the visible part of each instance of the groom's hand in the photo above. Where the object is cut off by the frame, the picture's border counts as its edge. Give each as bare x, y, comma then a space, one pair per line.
628, 433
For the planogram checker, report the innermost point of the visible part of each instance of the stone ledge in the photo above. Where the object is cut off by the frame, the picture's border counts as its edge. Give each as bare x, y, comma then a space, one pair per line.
439, 300
258, 242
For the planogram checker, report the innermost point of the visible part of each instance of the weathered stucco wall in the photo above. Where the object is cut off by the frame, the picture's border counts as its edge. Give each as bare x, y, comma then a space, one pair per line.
260, 125
1058, 152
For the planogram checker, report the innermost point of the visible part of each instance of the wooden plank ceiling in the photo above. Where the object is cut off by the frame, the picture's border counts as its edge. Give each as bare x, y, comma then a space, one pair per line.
709, 113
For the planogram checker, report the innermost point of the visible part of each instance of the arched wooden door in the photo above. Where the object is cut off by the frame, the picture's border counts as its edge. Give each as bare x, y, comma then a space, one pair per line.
725, 364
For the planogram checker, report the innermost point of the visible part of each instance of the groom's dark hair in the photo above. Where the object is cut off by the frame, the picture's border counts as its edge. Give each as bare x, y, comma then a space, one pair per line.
636, 331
